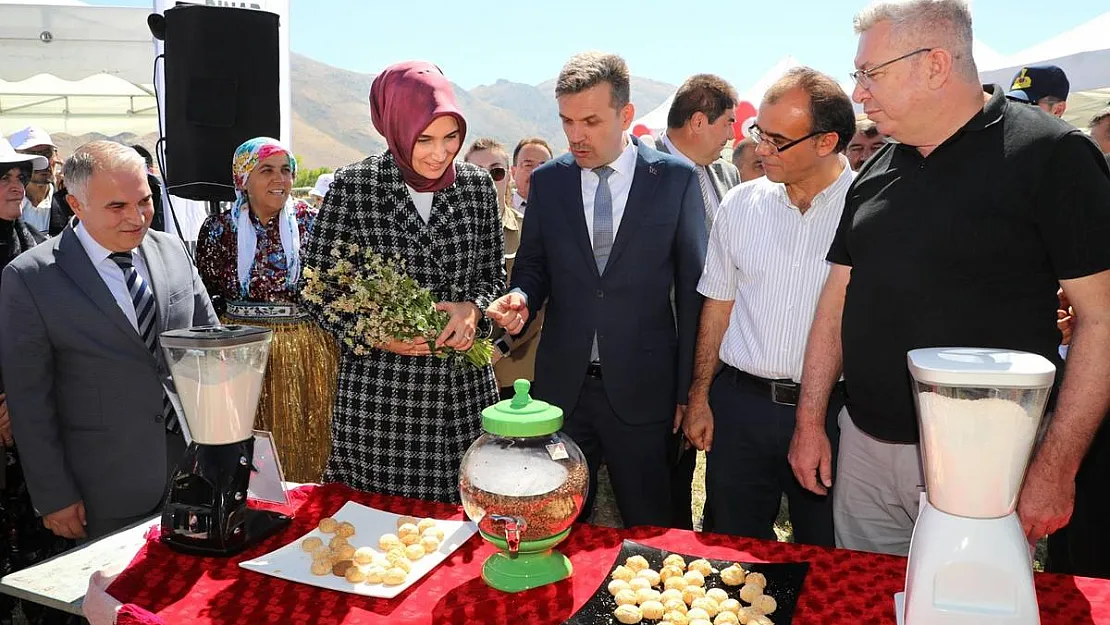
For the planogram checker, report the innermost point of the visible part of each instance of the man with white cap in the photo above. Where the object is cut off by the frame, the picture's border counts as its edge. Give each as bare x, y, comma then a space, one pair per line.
323, 183
35, 141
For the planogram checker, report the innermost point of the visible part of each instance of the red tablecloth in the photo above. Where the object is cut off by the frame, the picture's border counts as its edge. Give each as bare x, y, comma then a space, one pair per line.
842, 586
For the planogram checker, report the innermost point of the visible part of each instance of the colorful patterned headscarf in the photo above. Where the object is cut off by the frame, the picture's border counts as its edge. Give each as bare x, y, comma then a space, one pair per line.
246, 159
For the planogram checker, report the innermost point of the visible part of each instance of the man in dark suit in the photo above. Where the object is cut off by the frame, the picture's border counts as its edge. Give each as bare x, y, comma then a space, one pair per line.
611, 228
699, 125
91, 398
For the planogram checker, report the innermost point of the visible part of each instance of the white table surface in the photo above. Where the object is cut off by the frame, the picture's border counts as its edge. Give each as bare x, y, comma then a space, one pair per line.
61, 582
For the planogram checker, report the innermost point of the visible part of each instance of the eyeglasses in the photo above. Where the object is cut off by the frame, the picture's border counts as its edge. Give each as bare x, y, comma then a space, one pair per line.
760, 137
866, 77
497, 173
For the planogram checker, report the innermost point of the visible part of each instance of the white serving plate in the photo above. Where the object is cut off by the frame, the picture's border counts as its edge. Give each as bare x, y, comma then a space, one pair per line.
293, 563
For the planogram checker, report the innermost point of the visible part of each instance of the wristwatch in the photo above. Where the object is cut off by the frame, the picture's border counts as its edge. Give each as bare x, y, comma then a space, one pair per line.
502, 346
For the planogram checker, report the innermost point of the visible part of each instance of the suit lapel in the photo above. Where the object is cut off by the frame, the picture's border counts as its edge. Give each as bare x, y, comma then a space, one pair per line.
719, 186
576, 215
74, 261
644, 181
159, 280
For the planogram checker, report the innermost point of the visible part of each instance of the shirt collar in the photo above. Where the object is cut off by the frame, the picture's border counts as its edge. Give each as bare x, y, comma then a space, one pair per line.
625, 164
992, 111
97, 252
518, 201
837, 187
677, 152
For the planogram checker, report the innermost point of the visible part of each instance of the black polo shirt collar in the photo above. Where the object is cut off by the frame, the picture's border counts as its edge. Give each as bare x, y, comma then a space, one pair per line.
989, 115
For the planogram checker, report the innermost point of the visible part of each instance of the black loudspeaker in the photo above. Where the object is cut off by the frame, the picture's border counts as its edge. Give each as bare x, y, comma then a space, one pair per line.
221, 82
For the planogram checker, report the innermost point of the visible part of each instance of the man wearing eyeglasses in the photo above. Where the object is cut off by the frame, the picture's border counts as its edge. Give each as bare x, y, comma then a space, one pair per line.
763, 274
1044, 86
864, 144
35, 141
957, 235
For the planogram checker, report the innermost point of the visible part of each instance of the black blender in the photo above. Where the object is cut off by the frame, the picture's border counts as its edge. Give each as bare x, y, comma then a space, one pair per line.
218, 372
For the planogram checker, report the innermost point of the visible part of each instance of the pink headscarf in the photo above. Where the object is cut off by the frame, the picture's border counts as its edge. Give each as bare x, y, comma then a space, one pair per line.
404, 99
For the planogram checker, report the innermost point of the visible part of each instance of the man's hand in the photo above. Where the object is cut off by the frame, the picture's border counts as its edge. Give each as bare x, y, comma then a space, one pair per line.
69, 522
1046, 501
810, 458
679, 415
459, 333
510, 312
5, 422
698, 424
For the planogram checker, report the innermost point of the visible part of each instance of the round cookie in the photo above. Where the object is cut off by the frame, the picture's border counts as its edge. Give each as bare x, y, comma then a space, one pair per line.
345, 529
628, 614
327, 525
312, 543
652, 610
637, 563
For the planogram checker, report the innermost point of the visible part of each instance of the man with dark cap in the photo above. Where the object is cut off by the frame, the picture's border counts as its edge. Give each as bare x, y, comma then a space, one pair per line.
1044, 86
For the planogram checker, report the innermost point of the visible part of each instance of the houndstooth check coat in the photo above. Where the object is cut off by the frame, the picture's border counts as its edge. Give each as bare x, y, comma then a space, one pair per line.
401, 424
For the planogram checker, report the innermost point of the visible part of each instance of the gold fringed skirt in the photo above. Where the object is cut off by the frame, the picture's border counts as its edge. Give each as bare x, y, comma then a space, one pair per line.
299, 388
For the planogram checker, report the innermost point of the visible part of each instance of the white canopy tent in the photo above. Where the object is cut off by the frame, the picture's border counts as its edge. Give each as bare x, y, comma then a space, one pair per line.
1083, 53
656, 120
74, 68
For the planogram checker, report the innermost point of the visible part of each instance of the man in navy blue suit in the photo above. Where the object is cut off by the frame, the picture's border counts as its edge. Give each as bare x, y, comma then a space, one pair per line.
612, 228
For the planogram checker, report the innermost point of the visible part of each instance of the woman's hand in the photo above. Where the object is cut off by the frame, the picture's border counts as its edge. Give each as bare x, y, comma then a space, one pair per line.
415, 347
459, 333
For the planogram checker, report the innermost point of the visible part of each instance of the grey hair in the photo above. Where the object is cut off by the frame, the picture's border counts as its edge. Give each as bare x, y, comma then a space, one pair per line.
926, 23
1098, 118
589, 69
95, 157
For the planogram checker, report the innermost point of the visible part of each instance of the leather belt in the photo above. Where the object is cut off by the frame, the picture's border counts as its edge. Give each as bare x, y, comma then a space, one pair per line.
594, 370
782, 392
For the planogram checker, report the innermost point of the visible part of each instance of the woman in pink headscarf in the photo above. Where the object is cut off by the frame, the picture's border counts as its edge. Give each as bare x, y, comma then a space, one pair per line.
404, 418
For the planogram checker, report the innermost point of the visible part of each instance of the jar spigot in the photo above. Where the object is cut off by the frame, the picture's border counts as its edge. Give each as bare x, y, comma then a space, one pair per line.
514, 526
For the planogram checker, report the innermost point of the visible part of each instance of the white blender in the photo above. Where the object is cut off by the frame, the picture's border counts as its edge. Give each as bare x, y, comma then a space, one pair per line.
980, 413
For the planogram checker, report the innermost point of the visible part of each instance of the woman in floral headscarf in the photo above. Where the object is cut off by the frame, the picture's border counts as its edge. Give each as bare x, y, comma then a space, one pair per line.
404, 418
250, 261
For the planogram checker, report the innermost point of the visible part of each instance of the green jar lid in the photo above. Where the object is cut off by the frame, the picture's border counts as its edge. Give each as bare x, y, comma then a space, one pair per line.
522, 416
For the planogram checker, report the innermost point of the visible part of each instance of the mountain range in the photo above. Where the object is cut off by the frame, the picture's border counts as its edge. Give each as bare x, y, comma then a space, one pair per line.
331, 116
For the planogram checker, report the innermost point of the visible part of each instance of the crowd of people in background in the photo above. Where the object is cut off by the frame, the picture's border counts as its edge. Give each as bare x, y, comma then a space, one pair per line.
671, 297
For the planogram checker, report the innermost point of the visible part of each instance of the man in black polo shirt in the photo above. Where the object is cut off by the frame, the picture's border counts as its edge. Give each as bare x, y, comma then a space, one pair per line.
956, 236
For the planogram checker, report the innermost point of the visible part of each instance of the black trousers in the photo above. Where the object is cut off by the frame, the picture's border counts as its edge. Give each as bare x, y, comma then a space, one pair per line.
635, 455
747, 471
1082, 547
682, 479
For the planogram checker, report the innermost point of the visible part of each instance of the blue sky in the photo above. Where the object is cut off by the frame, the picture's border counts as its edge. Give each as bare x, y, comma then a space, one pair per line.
479, 42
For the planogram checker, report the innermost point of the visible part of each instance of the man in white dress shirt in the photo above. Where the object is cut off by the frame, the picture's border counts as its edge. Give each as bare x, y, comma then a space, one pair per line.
90, 395
764, 271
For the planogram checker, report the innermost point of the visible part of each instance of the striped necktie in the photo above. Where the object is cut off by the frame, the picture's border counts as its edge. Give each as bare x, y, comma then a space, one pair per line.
142, 298
705, 181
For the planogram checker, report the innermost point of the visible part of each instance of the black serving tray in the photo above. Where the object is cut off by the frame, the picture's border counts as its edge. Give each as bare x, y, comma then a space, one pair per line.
784, 583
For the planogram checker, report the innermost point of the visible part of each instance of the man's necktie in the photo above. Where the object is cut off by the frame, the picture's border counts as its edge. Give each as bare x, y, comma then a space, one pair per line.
603, 218
603, 231
143, 300
704, 181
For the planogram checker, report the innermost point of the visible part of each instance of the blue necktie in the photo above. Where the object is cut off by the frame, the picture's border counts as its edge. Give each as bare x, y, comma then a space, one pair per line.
603, 218
143, 300
603, 232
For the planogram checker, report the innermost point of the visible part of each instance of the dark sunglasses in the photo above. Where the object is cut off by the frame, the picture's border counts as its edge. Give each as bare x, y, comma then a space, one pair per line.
497, 173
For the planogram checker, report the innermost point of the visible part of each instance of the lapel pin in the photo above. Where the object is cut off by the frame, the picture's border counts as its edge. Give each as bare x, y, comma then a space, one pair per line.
652, 170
